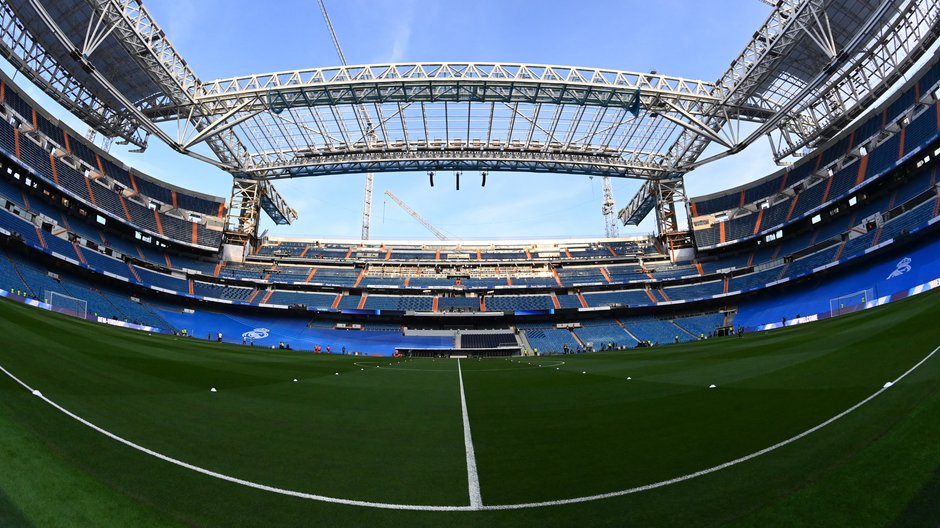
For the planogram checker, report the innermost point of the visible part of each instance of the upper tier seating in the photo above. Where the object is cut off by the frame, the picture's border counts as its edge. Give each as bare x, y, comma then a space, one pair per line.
103, 262
690, 292
533, 282
60, 173
625, 298
568, 301
161, 280
881, 157
430, 282
510, 303
316, 300
399, 303
220, 291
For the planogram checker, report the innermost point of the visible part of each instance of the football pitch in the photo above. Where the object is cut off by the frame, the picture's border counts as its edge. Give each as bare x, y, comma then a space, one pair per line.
831, 423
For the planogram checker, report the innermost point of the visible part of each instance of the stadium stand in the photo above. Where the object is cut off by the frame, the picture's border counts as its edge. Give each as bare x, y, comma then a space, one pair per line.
519, 302
311, 299
547, 340
37, 281
827, 175
627, 298
479, 340
400, 303
700, 325
161, 280
598, 335
222, 291
654, 330
46, 155
694, 291
118, 221
458, 304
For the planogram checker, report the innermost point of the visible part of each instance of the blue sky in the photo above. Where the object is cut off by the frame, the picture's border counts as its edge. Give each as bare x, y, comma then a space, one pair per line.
685, 38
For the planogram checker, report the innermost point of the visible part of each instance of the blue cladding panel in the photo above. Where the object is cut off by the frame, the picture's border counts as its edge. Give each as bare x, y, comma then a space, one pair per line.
883, 157
809, 200
716, 205
901, 105
921, 130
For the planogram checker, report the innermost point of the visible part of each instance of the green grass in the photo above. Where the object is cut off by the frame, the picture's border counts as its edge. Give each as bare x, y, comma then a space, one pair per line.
394, 434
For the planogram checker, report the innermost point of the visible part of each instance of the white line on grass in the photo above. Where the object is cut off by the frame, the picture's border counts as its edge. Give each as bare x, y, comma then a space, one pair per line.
555, 363
473, 479
712, 469
421, 507
221, 476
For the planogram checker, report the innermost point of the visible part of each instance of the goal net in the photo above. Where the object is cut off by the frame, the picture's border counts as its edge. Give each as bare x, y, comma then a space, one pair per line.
67, 304
851, 302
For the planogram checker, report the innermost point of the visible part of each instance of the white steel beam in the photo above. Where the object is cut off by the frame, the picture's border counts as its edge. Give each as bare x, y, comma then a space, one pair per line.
19, 47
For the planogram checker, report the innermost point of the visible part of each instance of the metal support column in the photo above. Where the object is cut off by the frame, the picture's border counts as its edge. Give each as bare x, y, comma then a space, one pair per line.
241, 221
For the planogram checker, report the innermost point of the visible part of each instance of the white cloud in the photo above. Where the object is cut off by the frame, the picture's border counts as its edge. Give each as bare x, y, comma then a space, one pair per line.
402, 25
400, 42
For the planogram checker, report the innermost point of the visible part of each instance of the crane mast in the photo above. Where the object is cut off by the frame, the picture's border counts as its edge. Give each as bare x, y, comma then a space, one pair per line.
609, 211
416, 216
369, 133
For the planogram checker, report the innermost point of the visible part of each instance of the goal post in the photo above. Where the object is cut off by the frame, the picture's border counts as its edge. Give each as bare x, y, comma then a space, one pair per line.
851, 302
66, 303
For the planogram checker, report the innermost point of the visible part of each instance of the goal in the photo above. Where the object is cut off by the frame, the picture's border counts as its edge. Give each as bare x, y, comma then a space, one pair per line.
851, 302
66, 304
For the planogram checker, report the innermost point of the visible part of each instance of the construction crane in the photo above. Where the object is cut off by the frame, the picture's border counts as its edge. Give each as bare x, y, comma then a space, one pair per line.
370, 137
416, 216
609, 210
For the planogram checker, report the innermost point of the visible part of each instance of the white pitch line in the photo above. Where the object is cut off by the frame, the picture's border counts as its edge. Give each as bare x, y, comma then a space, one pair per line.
719, 467
473, 478
480, 506
228, 478
556, 363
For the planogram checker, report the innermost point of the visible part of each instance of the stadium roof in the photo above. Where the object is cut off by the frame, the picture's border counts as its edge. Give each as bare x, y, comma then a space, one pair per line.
812, 67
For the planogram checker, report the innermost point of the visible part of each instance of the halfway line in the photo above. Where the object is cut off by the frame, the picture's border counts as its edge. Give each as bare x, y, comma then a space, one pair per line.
473, 479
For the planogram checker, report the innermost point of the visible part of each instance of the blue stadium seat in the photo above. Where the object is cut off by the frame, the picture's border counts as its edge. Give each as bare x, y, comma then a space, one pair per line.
600, 333
315, 300
549, 340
